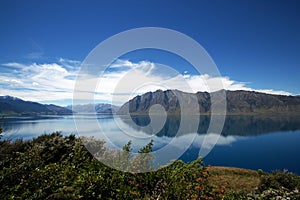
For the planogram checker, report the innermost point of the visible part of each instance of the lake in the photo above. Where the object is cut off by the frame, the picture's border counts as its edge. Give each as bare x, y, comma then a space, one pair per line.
254, 142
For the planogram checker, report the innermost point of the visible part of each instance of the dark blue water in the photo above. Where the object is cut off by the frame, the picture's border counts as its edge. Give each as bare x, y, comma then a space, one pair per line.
254, 142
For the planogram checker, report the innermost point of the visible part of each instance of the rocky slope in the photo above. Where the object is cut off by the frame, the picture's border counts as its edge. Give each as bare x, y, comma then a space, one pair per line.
238, 102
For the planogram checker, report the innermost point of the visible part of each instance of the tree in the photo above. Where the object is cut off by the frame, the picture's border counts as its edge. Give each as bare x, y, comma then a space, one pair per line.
1, 128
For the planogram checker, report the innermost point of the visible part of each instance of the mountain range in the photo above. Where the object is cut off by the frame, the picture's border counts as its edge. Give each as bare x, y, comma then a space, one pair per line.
238, 102
103, 108
12, 106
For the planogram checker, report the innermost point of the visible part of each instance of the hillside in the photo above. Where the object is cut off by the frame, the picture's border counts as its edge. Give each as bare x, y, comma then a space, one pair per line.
238, 102
12, 105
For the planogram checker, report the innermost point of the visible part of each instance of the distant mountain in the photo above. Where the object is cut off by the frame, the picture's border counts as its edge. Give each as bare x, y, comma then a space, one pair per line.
58, 109
238, 102
92, 108
12, 105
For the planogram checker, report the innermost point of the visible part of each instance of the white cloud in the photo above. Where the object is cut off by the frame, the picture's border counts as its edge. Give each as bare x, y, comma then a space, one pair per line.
205, 141
126, 63
69, 64
145, 76
270, 91
122, 81
13, 81
14, 64
37, 82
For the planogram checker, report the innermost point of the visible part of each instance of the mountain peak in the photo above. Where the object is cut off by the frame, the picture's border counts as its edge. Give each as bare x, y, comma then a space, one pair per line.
10, 98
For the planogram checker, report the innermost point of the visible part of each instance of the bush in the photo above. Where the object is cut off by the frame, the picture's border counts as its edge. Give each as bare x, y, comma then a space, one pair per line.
278, 180
57, 167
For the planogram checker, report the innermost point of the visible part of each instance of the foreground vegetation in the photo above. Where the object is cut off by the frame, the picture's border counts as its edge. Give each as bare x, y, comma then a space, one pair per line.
57, 167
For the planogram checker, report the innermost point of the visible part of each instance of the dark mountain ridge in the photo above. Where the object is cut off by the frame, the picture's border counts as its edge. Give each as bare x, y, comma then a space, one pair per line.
15, 106
238, 102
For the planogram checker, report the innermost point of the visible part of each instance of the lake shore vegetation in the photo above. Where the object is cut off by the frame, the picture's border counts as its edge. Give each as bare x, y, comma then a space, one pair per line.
53, 166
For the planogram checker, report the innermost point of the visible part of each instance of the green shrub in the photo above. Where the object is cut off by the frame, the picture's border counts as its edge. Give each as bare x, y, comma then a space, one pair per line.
233, 195
57, 167
277, 185
278, 180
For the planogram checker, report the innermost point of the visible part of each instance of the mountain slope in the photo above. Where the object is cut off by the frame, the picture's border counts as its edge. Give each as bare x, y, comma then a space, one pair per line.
238, 102
255, 102
13, 105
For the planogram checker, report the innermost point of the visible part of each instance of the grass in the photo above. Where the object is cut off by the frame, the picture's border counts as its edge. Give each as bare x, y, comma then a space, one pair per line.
234, 179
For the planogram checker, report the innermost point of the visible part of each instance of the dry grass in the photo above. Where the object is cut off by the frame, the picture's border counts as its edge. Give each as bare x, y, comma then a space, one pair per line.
234, 179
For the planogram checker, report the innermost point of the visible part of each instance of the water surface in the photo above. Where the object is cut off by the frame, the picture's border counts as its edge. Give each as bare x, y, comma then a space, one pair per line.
255, 142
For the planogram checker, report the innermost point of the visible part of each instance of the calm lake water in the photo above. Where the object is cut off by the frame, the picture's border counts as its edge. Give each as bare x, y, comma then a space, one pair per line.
255, 142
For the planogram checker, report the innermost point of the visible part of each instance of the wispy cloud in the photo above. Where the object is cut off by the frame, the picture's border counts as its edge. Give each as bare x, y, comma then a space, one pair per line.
14, 65
120, 82
37, 82
37, 50
69, 64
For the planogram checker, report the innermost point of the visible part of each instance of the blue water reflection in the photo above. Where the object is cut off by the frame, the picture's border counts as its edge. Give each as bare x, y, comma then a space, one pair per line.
255, 142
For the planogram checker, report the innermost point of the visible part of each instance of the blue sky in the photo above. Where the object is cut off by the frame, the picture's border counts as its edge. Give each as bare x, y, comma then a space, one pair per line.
255, 44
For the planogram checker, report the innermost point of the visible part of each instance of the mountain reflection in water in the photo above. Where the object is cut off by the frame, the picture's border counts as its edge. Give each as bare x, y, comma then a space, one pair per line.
239, 125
